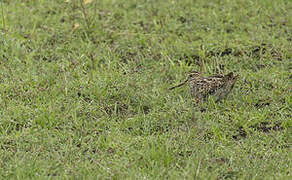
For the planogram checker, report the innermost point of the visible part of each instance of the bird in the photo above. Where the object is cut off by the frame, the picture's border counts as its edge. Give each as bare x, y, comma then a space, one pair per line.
217, 85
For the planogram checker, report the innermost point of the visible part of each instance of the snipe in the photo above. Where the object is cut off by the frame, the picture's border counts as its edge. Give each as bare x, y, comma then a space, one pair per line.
201, 87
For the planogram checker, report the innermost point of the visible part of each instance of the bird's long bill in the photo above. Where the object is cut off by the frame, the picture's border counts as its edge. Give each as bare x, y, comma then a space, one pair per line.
181, 84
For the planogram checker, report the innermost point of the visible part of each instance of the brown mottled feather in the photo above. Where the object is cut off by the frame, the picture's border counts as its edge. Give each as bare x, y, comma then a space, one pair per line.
217, 85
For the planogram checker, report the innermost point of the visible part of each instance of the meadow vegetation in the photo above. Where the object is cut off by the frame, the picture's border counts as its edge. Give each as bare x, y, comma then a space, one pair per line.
84, 89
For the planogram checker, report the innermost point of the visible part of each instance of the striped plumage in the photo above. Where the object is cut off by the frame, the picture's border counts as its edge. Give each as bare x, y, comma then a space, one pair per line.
218, 86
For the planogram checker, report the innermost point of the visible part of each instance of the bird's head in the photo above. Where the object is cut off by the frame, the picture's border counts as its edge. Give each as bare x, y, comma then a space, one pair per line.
194, 75
191, 76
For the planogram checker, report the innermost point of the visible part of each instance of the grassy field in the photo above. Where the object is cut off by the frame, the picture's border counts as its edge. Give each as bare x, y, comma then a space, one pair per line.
84, 89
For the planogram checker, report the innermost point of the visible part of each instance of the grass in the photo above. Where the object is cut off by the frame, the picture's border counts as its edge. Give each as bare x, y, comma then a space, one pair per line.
84, 89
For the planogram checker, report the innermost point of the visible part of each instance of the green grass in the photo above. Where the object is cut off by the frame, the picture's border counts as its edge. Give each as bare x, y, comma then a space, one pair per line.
92, 101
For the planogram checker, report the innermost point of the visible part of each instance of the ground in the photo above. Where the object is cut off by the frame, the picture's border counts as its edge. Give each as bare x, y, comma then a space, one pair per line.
84, 89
